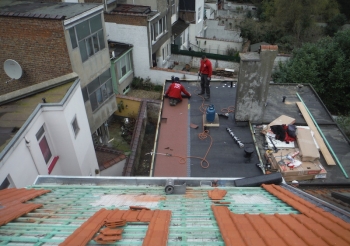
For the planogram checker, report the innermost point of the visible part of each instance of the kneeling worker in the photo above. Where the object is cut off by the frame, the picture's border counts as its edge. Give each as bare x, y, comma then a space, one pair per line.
174, 92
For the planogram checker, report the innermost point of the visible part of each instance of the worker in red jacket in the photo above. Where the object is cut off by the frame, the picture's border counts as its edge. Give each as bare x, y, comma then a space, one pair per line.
205, 72
174, 92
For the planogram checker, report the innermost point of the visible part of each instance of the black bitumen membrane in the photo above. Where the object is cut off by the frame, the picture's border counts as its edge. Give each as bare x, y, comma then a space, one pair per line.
333, 134
227, 159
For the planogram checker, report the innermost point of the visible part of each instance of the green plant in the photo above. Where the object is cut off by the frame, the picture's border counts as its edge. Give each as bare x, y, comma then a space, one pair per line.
141, 84
136, 83
231, 51
344, 124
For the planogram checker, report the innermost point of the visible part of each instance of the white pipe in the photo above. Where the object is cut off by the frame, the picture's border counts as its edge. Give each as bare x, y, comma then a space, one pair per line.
31, 154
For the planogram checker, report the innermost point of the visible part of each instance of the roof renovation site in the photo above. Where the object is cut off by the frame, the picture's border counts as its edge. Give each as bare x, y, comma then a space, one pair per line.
217, 182
239, 141
60, 210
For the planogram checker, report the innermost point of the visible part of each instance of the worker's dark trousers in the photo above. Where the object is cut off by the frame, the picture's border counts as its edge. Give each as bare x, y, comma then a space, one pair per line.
205, 84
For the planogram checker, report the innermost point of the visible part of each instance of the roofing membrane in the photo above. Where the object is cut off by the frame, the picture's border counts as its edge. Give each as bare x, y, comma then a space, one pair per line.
205, 151
260, 214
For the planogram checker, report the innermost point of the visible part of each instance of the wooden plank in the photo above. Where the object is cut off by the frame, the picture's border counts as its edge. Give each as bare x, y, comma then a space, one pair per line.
324, 150
215, 123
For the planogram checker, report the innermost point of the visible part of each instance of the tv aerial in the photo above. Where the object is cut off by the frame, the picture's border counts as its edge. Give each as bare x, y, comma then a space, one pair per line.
12, 69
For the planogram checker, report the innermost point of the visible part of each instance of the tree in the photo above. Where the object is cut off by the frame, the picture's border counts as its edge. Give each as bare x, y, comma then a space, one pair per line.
326, 66
297, 17
334, 24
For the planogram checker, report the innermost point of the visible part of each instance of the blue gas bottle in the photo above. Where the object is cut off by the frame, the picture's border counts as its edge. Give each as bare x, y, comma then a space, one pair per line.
210, 113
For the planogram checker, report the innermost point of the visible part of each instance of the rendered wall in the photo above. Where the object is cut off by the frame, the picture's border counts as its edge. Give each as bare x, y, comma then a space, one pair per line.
218, 46
138, 37
253, 84
88, 71
128, 106
115, 170
24, 161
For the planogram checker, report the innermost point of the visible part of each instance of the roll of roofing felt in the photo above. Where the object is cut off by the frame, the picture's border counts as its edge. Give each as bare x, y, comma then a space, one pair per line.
273, 178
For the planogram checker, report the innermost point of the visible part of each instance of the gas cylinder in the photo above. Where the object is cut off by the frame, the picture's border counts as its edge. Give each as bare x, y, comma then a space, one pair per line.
210, 113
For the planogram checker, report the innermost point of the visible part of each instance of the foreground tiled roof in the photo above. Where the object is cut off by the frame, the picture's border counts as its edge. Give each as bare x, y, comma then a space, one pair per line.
12, 206
268, 215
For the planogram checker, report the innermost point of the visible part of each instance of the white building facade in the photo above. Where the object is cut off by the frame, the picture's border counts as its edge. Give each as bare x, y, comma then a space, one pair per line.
54, 140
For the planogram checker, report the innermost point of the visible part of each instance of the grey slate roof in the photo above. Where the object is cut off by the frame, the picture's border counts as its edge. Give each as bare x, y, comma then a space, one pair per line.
44, 10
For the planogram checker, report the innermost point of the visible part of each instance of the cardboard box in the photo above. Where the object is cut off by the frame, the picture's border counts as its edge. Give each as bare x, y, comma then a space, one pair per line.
307, 170
283, 119
299, 178
307, 146
280, 161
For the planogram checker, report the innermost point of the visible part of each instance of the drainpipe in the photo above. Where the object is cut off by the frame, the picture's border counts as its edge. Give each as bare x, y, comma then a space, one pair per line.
31, 154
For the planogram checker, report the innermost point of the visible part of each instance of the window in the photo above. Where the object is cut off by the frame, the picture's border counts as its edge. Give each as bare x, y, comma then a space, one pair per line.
124, 66
75, 126
163, 53
5, 184
43, 144
88, 35
199, 13
172, 7
99, 90
126, 89
158, 28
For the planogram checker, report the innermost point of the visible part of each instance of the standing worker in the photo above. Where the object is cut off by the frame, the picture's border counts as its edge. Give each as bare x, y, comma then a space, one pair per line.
205, 71
174, 92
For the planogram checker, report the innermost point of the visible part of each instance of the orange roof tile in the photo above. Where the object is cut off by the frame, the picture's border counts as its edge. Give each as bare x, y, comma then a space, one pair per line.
216, 194
11, 201
157, 233
314, 226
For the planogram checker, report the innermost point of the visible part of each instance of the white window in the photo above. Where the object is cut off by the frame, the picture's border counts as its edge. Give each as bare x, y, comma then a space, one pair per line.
44, 145
75, 126
158, 28
199, 13
124, 66
88, 35
99, 90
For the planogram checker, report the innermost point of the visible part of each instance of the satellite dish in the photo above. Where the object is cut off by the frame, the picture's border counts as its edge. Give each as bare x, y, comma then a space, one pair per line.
13, 69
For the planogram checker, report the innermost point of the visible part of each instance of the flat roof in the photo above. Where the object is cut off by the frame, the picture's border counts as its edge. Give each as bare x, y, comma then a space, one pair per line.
132, 9
180, 147
46, 10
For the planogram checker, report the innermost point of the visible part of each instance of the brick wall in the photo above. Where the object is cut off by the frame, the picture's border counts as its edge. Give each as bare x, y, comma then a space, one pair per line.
127, 19
38, 45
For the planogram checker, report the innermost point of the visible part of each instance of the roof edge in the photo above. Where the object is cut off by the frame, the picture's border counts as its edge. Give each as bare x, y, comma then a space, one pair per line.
34, 89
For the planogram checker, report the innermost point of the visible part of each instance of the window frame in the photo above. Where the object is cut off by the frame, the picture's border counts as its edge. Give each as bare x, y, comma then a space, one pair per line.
75, 126
173, 7
95, 94
199, 14
92, 40
43, 140
128, 64
159, 28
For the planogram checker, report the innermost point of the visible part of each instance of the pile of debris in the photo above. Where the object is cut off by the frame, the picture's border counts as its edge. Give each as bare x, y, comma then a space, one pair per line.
292, 150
